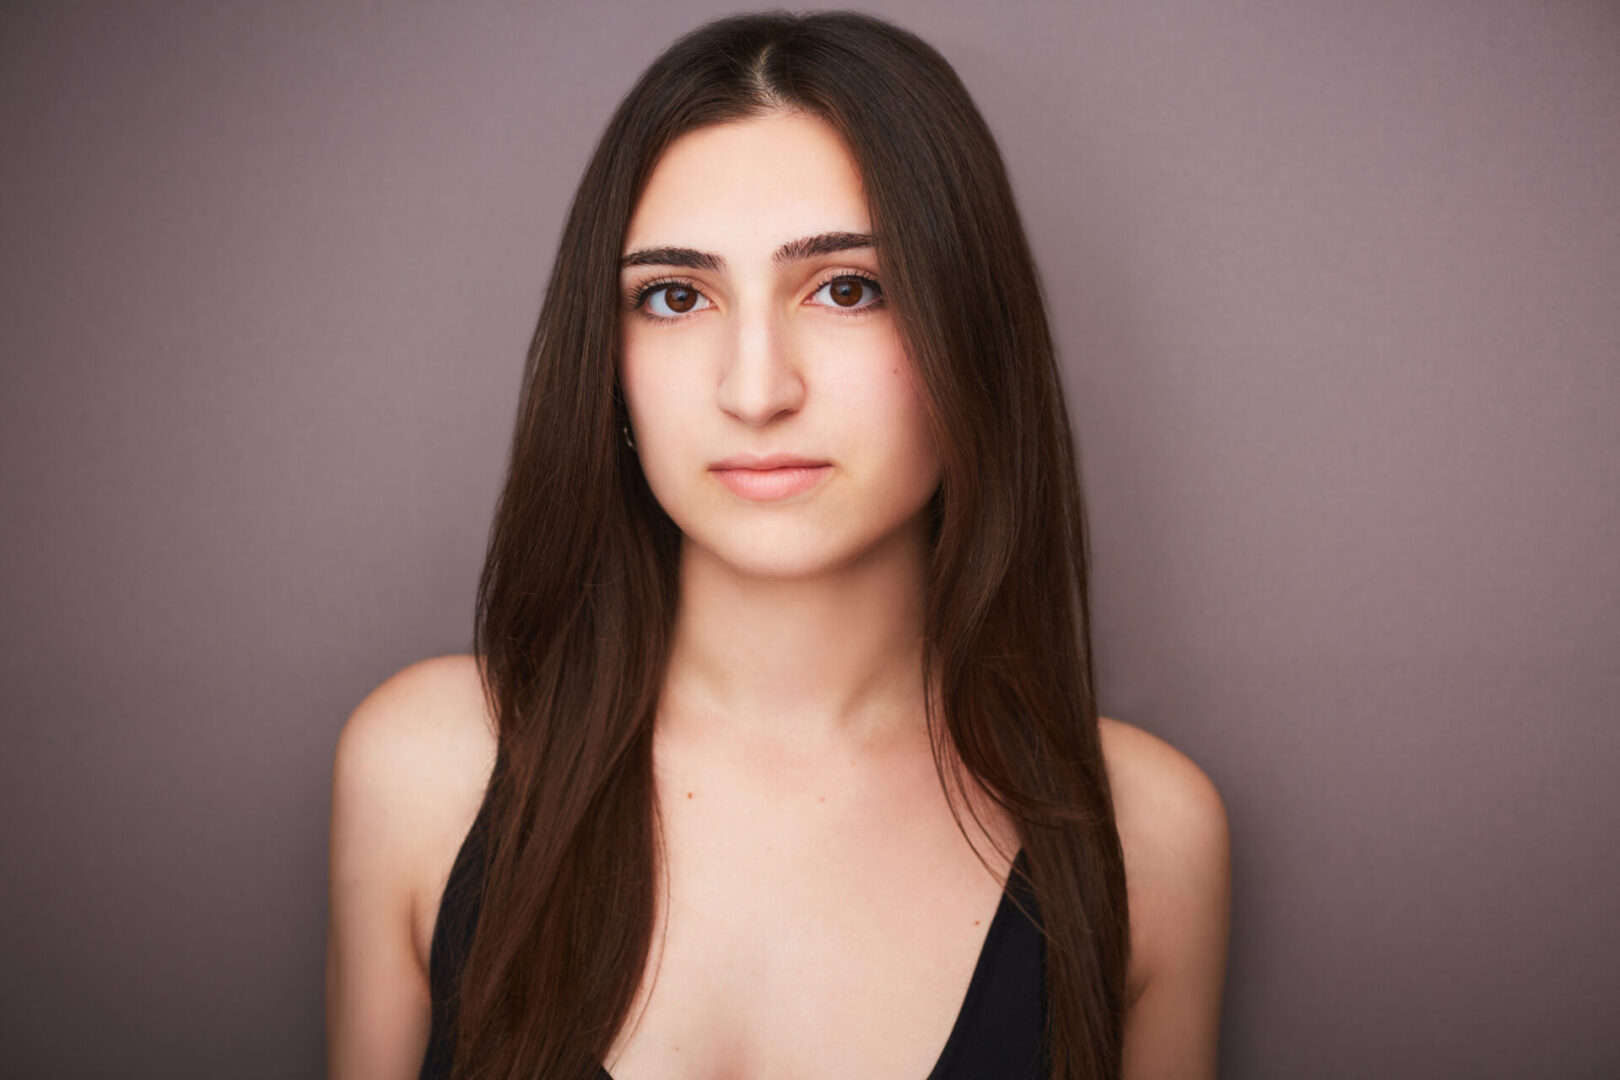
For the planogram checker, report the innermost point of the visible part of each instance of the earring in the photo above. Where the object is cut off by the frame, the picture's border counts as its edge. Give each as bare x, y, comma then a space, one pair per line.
628, 441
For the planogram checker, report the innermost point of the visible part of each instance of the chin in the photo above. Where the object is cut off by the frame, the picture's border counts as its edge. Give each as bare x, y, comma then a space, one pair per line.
784, 550
804, 555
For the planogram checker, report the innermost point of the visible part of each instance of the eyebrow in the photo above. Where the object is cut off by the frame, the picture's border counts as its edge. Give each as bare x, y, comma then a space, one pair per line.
806, 247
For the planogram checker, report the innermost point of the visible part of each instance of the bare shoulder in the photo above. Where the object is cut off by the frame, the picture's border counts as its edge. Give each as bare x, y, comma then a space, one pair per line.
1173, 827
407, 778
422, 738
411, 766
430, 707
1160, 792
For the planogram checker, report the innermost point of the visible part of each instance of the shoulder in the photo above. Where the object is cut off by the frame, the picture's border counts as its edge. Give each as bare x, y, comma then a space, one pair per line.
431, 705
1161, 794
1173, 827
410, 769
408, 776
421, 733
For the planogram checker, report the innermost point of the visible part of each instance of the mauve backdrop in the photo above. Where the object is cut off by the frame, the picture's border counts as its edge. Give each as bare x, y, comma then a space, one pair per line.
1335, 286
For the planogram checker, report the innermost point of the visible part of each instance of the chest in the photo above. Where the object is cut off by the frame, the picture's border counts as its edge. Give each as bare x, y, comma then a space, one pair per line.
817, 926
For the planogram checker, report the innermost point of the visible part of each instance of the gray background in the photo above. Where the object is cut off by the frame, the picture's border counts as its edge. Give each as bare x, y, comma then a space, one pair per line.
1335, 289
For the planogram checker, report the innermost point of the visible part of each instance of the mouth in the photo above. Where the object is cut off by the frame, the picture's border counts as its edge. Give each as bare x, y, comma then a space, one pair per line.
759, 462
767, 484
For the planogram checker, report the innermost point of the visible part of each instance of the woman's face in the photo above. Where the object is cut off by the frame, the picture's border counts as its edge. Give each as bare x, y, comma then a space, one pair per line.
743, 337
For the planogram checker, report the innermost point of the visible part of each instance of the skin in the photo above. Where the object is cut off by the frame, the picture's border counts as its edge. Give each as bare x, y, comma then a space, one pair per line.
809, 848
799, 620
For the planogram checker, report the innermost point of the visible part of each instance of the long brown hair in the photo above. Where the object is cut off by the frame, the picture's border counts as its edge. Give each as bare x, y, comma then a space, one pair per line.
578, 591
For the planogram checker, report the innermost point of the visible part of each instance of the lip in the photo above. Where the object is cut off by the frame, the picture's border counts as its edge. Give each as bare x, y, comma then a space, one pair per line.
764, 478
767, 461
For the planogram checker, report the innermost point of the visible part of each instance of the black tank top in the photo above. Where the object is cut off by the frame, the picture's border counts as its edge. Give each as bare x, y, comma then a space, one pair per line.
998, 1034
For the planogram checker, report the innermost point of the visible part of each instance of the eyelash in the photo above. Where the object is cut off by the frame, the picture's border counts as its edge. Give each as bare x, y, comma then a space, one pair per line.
637, 297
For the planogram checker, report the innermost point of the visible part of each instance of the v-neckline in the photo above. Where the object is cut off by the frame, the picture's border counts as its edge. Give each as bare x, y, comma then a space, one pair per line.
981, 973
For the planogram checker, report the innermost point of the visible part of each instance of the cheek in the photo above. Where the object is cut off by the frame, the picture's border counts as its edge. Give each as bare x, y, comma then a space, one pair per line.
895, 408
652, 395
665, 413
904, 392
924, 462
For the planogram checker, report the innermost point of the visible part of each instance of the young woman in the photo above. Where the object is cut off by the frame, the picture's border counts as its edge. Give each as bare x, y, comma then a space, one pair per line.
778, 754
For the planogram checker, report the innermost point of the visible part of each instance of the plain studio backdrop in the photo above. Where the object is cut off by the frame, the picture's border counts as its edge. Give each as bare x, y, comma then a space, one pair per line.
1335, 290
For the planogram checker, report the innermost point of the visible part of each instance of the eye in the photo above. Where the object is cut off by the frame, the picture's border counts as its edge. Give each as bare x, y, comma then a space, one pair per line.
669, 299
852, 293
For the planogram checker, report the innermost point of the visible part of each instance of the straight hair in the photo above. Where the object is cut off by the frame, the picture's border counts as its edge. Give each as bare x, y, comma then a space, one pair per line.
578, 592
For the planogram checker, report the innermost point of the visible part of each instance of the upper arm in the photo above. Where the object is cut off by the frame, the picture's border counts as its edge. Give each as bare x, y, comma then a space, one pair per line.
1173, 826
388, 785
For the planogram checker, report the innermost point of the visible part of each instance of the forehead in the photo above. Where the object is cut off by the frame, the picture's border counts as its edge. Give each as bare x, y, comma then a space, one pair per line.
744, 187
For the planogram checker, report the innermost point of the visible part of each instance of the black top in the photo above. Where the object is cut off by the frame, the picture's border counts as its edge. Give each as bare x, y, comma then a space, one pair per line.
998, 1030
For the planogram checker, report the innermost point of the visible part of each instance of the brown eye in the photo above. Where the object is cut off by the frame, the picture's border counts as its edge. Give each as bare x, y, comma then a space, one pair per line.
679, 298
668, 299
853, 292
847, 292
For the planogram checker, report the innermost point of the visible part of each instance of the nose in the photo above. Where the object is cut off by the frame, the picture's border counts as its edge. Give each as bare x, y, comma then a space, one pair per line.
760, 380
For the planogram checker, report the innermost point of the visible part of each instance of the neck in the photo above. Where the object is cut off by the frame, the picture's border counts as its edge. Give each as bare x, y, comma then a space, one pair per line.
803, 664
